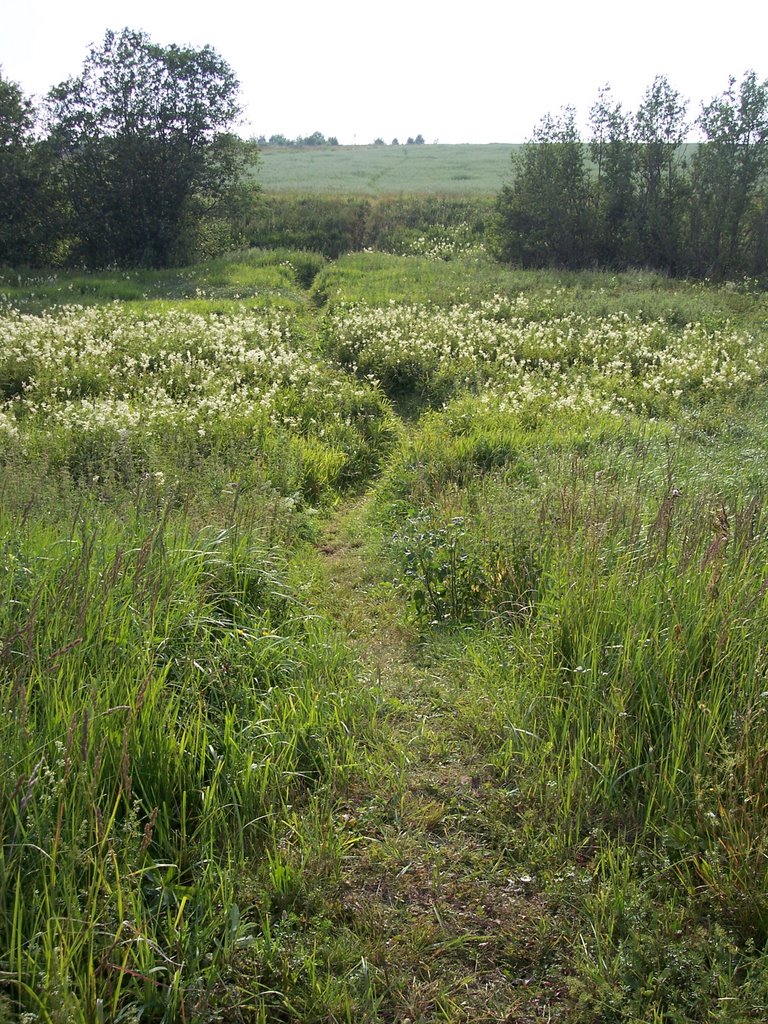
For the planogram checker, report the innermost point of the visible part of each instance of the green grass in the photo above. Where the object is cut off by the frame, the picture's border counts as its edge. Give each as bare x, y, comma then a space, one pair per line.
382, 640
256, 279
386, 170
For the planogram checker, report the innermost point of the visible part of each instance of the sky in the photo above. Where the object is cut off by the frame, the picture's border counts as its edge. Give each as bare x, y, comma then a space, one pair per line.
472, 71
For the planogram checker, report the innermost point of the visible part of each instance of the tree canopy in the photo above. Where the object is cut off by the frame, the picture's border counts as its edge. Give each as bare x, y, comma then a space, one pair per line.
634, 194
142, 140
19, 176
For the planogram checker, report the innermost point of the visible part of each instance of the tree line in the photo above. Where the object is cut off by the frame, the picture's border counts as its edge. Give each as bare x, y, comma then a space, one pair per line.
315, 139
132, 162
635, 194
318, 139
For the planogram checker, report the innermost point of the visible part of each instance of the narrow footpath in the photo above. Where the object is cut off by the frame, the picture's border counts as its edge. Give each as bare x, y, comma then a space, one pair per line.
434, 884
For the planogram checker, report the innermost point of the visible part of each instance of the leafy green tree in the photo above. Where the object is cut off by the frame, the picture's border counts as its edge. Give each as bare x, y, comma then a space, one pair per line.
543, 217
613, 156
16, 124
145, 155
659, 129
28, 209
729, 171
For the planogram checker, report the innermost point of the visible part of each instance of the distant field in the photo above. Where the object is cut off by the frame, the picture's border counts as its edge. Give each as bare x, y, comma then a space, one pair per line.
383, 170
389, 170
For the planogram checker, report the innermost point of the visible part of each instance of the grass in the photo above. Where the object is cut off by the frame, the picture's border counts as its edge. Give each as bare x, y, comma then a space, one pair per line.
386, 170
385, 645
257, 279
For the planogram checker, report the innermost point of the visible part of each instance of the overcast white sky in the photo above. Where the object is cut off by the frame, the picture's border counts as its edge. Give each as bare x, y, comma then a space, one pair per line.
473, 71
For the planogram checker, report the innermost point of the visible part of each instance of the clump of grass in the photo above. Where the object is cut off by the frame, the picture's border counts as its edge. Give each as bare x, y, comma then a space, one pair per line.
626, 707
165, 699
254, 278
100, 391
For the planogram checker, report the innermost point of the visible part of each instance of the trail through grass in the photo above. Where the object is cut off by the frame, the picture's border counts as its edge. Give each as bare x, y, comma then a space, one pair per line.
386, 646
437, 892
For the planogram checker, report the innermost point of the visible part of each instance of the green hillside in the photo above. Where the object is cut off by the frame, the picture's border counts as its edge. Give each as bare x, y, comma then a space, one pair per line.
383, 170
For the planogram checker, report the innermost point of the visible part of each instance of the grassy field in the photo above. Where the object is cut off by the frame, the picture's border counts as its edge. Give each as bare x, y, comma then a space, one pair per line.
386, 170
383, 171
382, 640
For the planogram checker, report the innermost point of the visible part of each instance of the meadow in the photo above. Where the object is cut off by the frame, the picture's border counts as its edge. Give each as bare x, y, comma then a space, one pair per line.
386, 170
383, 640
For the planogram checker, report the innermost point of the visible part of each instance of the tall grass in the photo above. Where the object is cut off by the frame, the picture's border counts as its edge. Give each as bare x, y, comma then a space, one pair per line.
577, 528
617, 570
166, 698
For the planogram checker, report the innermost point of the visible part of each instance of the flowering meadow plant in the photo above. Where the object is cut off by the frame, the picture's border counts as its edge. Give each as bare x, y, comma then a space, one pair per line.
423, 562
511, 349
126, 378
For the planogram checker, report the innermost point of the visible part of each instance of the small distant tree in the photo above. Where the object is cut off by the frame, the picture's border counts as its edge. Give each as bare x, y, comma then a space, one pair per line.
379, 142
419, 140
144, 149
394, 142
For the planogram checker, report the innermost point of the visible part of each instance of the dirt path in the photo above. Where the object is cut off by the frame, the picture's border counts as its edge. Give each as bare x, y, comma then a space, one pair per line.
434, 885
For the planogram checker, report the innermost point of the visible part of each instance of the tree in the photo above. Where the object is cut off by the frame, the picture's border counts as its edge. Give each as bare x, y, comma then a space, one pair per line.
22, 208
728, 176
613, 155
141, 135
660, 128
543, 217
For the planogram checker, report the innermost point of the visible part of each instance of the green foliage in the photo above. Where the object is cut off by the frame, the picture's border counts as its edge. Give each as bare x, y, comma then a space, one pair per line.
543, 217
523, 771
334, 225
149, 735
29, 209
274, 278
140, 136
625, 699
378, 277
615, 201
327, 225
315, 139
728, 175
640, 204
450, 579
662, 191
